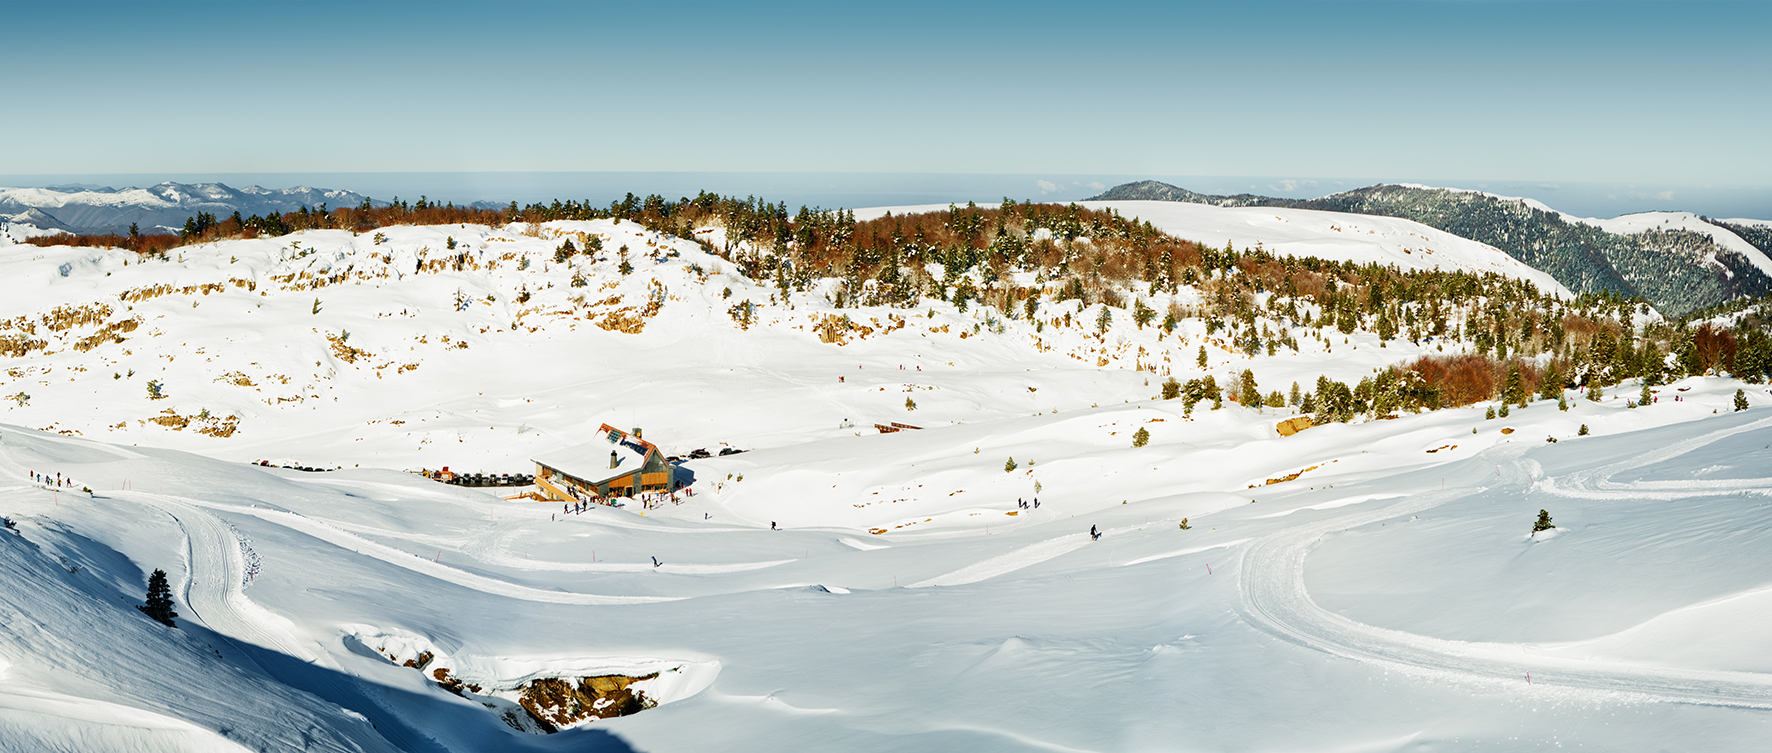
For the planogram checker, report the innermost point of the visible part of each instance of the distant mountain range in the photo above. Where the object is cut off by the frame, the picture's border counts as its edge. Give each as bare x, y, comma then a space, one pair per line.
161, 208
1677, 261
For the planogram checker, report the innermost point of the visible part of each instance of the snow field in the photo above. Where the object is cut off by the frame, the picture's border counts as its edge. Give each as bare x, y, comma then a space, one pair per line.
767, 658
1386, 597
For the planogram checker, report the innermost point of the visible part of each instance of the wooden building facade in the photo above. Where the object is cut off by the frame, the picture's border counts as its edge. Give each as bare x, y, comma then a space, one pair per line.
618, 464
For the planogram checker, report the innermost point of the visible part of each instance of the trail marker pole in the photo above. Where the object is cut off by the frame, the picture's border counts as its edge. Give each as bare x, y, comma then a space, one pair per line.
1208, 568
439, 556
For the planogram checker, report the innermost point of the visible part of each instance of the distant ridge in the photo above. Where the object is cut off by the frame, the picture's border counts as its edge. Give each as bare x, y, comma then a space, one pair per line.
158, 208
1677, 262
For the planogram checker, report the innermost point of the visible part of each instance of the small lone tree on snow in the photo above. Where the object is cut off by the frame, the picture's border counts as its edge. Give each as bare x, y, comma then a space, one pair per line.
1171, 389
910, 404
1141, 437
1543, 524
1582, 432
1009, 467
1740, 400
159, 604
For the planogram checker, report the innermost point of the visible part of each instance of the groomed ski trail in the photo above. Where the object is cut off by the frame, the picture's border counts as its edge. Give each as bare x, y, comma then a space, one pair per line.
1272, 587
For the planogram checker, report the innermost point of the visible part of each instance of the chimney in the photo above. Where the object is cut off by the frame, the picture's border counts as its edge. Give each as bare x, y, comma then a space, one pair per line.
613, 460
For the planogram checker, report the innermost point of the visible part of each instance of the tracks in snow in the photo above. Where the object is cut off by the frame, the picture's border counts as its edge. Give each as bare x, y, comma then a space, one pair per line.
1272, 588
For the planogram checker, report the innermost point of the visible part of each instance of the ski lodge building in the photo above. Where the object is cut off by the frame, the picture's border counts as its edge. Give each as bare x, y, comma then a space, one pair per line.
584, 472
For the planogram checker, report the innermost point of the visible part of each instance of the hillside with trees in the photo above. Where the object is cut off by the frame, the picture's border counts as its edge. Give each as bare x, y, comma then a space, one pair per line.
1676, 271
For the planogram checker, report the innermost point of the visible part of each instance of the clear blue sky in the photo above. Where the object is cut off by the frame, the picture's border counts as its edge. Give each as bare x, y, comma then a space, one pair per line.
1626, 92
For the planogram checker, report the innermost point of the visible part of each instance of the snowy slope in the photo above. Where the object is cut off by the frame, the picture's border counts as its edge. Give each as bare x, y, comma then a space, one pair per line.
1387, 597
299, 585
1631, 224
231, 328
1335, 236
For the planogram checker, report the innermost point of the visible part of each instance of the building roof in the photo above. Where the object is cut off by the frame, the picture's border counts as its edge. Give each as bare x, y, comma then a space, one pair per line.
590, 461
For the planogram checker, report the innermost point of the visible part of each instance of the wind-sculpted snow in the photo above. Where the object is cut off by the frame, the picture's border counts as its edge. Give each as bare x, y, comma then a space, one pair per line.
903, 599
1272, 584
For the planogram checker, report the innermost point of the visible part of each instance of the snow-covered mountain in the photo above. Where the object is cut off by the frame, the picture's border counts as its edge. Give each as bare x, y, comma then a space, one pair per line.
162, 207
1677, 261
906, 601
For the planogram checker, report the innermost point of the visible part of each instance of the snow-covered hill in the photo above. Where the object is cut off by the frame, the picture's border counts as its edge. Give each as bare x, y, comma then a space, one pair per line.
1362, 239
907, 601
1428, 615
325, 348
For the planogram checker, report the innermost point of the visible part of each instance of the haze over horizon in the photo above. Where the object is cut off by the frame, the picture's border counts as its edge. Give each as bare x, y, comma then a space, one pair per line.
1506, 93
877, 189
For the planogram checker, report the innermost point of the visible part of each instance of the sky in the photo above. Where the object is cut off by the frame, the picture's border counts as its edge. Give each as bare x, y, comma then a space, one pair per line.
1645, 97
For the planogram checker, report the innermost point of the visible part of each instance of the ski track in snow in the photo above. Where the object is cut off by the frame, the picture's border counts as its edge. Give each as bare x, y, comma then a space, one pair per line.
215, 568
415, 563
1008, 562
1272, 588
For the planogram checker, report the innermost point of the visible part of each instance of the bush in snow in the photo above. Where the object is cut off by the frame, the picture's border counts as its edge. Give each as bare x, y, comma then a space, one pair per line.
1582, 432
1009, 467
1141, 437
1544, 522
1171, 389
1740, 400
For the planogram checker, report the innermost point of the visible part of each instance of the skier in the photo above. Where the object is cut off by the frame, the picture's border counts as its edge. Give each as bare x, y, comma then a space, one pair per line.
772, 525
655, 562
1094, 535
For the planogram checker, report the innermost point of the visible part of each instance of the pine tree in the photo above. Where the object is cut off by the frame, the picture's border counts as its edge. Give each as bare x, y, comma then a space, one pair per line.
1551, 383
1490, 414
1248, 395
1009, 467
1503, 412
1142, 314
1740, 400
1201, 361
1141, 437
1516, 390
1171, 389
1105, 319
159, 604
1562, 402
1582, 432
1293, 397
1594, 392
1544, 522
1646, 396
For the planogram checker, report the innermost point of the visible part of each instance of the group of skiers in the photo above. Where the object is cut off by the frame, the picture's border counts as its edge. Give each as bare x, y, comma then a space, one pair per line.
1027, 505
59, 481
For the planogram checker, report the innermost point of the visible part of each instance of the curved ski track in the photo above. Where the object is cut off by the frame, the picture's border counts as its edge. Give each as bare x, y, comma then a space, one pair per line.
1273, 591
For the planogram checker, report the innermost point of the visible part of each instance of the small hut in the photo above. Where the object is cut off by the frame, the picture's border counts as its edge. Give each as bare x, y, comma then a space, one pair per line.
617, 464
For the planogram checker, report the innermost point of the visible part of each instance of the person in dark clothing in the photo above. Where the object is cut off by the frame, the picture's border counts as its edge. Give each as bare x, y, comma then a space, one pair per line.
655, 562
